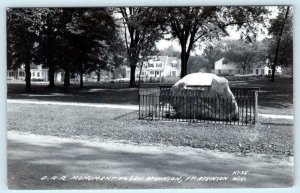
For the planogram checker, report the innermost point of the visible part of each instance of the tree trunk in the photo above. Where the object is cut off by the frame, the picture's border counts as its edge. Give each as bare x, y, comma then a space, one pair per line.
132, 76
278, 46
275, 61
28, 76
139, 84
81, 78
244, 69
184, 62
67, 80
50, 55
98, 77
51, 76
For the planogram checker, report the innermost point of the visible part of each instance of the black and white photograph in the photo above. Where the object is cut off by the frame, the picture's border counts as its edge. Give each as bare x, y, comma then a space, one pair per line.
150, 97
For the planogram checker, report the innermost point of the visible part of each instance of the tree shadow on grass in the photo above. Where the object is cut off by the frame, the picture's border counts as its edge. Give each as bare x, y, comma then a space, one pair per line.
86, 95
275, 100
278, 94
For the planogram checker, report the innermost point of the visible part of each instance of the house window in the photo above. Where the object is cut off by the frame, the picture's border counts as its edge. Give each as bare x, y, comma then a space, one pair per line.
10, 74
219, 71
225, 61
150, 65
239, 71
159, 65
251, 71
173, 73
257, 71
22, 74
174, 64
38, 74
262, 71
151, 72
33, 74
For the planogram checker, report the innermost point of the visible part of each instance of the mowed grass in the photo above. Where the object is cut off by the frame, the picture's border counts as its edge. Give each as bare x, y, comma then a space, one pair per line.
273, 98
269, 136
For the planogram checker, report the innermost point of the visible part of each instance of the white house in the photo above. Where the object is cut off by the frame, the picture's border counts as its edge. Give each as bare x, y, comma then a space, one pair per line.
158, 67
226, 67
18, 74
37, 73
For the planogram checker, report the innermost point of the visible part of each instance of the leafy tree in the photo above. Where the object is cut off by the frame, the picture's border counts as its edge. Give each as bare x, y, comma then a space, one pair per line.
90, 29
65, 46
212, 53
116, 55
141, 24
75, 40
48, 43
107, 57
192, 24
55, 44
169, 51
242, 53
282, 42
23, 26
196, 63
245, 54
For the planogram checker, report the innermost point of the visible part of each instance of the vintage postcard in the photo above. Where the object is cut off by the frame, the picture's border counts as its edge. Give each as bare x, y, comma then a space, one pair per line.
150, 97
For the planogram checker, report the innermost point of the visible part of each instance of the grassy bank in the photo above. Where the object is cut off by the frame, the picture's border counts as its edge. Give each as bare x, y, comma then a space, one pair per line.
271, 137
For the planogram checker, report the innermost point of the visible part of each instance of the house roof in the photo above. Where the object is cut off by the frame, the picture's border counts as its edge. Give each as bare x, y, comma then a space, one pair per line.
33, 66
163, 59
260, 64
219, 59
172, 59
223, 58
36, 67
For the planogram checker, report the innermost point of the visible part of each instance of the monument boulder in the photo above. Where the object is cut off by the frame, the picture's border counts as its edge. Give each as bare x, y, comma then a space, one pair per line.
203, 96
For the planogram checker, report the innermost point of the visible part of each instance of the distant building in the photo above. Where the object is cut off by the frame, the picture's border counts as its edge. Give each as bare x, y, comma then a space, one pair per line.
226, 67
18, 74
159, 67
37, 73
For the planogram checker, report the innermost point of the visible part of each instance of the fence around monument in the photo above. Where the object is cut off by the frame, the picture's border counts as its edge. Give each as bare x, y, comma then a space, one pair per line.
196, 108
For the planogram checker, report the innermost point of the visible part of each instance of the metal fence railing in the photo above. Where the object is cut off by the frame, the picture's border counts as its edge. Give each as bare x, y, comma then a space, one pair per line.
162, 105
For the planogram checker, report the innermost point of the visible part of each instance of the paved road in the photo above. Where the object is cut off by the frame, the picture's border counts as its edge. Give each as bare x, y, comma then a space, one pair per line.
34, 160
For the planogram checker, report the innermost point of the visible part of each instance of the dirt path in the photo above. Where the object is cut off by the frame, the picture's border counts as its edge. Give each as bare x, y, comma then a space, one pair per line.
32, 157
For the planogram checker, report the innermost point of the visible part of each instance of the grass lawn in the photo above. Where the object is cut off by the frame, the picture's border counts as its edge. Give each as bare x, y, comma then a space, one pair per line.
274, 97
85, 95
271, 137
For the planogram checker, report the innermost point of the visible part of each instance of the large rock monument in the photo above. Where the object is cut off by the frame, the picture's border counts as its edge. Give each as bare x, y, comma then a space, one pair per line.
203, 96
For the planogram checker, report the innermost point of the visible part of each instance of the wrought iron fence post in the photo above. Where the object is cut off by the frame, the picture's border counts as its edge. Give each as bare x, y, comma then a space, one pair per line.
156, 106
139, 106
256, 106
